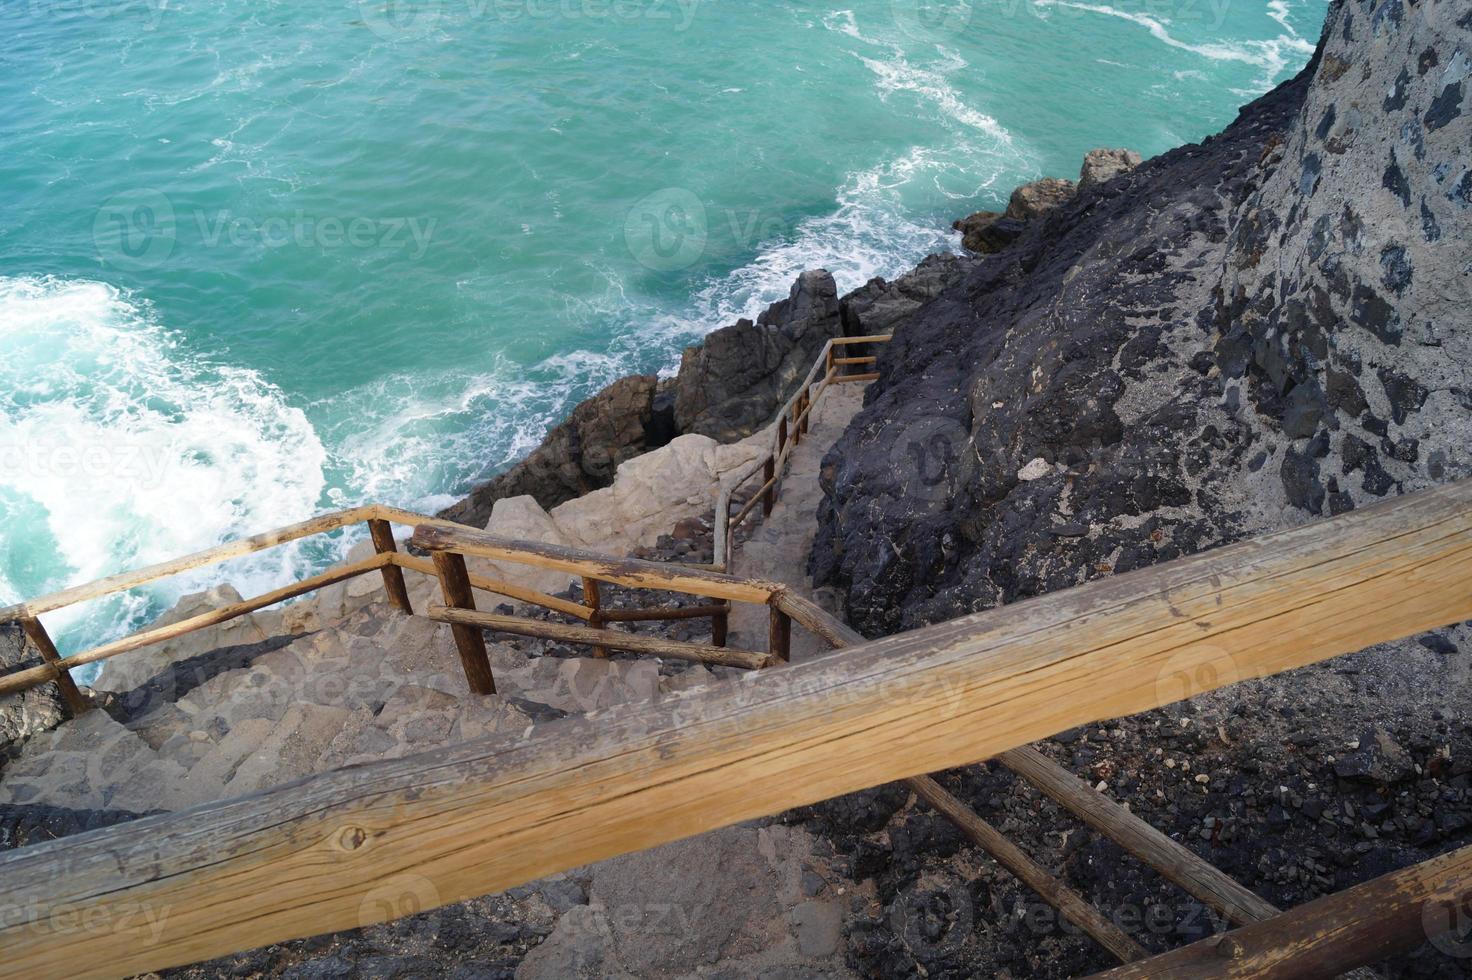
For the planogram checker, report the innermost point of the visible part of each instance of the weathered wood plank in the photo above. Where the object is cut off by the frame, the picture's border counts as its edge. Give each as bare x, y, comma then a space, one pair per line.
22, 679
593, 599
664, 613
779, 634
630, 572
1331, 935
614, 639
1068, 902
393, 576
488, 815
497, 587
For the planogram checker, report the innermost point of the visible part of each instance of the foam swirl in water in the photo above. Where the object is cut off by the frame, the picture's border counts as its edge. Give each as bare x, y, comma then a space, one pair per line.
119, 448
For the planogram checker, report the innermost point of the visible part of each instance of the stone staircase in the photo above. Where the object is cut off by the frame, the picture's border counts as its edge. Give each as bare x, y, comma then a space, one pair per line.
238, 718
344, 679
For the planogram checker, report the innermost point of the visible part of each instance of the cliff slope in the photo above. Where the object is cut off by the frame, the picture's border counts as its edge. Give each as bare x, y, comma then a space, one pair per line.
1271, 326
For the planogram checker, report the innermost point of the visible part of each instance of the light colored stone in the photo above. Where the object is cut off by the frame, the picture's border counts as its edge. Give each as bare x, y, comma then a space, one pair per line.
1035, 470
291, 749
1105, 164
652, 493
523, 519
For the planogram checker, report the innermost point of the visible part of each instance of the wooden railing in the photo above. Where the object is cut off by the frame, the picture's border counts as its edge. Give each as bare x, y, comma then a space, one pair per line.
390, 563
494, 813
788, 428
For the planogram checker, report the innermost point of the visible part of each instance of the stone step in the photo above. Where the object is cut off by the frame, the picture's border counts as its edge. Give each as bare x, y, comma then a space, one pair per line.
291, 750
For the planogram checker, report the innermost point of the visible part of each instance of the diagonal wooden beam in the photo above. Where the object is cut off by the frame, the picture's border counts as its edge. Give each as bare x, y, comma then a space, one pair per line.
1335, 934
1029, 872
316, 856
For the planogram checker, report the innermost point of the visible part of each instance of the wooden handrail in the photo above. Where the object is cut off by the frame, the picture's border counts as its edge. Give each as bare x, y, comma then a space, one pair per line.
22, 679
1329, 936
775, 458
612, 639
492, 814
629, 572
209, 556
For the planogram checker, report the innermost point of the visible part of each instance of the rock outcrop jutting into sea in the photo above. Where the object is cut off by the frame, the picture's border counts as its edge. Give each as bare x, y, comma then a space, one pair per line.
1271, 326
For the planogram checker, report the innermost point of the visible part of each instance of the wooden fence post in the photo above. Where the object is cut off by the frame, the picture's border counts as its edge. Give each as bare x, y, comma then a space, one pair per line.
469, 640
719, 623
769, 495
806, 404
393, 576
69, 693
779, 634
593, 599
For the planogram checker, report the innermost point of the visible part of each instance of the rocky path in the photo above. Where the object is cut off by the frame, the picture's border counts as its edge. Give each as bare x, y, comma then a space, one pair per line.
345, 679
777, 548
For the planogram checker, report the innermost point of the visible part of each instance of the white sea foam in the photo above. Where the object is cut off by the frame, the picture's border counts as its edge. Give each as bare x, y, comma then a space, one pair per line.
1272, 55
120, 448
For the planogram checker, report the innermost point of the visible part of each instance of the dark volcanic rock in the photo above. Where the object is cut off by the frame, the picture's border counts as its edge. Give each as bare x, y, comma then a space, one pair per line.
22, 825
731, 385
1201, 350
879, 307
37, 710
988, 232
580, 455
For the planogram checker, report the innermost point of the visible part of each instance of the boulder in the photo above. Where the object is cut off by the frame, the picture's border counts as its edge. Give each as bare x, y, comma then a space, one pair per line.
879, 307
1038, 198
652, 493
33, 711
581, 454
988, 232
523, 519
1105, 164
731, 385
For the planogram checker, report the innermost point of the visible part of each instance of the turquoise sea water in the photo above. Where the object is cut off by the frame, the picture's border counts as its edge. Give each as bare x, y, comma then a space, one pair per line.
260, 258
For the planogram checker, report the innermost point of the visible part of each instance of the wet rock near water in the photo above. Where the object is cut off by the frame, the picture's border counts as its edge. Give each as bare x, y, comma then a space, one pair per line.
31, 712
733, 383
627, 418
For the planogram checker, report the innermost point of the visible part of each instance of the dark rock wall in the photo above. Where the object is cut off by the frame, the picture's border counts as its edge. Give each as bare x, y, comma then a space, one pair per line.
730, 385
1178, 357
1345, 305
25, 714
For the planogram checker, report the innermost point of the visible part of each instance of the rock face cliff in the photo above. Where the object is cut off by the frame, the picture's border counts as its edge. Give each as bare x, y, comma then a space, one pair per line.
729, 386
1237, 336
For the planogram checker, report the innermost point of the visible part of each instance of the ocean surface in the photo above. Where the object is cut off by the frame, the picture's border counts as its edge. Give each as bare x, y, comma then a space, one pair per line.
262, 258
